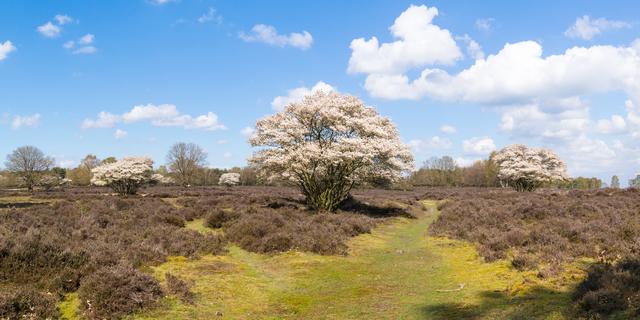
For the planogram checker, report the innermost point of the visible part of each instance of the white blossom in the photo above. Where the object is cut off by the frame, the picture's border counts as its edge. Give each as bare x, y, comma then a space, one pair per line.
125, 175
329, 141
229, 179
161, 179
527, 168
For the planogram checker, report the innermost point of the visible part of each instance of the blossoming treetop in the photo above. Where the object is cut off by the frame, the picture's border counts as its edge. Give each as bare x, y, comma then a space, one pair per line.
327, 144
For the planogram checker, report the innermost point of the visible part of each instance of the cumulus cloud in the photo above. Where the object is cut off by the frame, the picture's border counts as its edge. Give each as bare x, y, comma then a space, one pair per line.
448, 129
85, 50
247, 132
616, 124
297, 94
25, 121
484, 24
6, 48
474, 49
160, 2
519, 73
478, 146
211, 15
586, 28
420, 42
62, 19
82, 46
87, 39
120, 134
104, 120
433, 143
49, 30
164, 115
269, 35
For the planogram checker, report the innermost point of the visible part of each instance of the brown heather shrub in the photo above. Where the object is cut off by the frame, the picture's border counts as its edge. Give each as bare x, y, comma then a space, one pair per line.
114, 291
27, 303
217, 218
87, 237
611, 288
279, 230
547, 226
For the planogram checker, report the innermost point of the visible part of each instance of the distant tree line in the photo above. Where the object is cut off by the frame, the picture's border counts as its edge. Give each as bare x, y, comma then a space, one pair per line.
446, 172
186, 164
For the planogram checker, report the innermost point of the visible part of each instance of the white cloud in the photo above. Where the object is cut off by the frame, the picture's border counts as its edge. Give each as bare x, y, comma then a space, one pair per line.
586, 28
432, 143
105, 120
478, 146
49, 30
25, 121
87, 39
297, 94
65, 163
84, 45
420, 43
161, 2
616, 124
474, 50
120, 134
448, 129
227, 155
211, 15
85, 50
63, 19
6, 48
247, 132
269, 35
222, 141
164, 115
485, 24
519, 74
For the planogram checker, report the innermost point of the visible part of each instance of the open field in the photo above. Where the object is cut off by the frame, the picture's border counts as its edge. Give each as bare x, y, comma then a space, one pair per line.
256, 253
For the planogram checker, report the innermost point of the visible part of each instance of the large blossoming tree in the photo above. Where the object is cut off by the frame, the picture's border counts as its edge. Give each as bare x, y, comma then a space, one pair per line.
327, 144
124, 176
526, 169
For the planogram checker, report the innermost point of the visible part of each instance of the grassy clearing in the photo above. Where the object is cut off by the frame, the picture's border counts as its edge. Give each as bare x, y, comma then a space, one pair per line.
396, 272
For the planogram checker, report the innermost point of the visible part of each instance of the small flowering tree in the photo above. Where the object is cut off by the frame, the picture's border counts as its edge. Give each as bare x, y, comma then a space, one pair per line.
327, 144
51, 181
158, 178
229, 179
526, 169
124, 176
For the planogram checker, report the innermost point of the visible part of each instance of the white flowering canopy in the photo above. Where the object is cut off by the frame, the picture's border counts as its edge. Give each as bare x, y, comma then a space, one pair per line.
328, 143
161, 179
229, 179
527, 168
125, 175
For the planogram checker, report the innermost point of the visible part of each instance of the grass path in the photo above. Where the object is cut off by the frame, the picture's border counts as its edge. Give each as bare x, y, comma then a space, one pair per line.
396, 272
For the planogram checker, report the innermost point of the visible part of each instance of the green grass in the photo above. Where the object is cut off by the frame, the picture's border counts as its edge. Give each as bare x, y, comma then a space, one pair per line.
69, 307
396, 272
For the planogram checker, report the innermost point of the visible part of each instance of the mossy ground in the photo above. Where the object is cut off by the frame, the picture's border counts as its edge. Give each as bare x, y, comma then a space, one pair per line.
396, 272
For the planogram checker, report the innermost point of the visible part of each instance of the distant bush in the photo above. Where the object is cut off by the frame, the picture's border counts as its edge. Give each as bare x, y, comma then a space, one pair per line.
26, 303
611, 288
115, 291
229, 179
526, 169
124, 176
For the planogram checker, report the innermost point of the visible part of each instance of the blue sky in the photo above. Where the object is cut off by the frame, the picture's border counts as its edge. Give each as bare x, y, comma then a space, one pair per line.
203, 71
